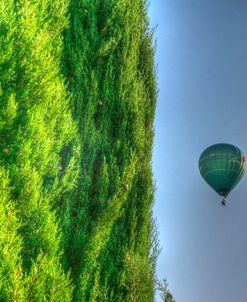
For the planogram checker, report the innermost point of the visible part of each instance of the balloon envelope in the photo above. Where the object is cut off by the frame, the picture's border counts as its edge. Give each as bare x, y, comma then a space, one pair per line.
222, 166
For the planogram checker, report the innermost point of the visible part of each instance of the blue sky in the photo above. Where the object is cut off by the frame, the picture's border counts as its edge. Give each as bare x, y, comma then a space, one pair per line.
202, 75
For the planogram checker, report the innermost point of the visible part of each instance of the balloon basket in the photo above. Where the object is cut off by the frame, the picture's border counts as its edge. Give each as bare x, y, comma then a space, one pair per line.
223, 202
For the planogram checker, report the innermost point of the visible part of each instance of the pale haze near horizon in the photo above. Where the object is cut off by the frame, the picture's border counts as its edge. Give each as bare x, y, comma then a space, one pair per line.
202, 77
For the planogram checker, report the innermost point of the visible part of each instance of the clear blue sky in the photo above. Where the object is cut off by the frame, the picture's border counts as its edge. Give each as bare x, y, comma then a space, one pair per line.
202, 63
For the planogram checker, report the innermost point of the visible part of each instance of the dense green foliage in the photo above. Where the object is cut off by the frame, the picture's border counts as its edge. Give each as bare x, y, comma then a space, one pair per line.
77, 94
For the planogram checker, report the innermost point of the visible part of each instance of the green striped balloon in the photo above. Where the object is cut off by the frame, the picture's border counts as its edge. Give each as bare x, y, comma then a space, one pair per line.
222, 166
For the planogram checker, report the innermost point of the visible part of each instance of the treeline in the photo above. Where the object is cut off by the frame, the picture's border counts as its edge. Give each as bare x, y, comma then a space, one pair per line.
77, 94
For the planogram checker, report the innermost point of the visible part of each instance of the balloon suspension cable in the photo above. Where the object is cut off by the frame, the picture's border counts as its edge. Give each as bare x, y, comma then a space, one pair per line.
223, 202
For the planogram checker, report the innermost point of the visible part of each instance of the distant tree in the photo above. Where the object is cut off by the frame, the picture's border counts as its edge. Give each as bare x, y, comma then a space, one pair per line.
162, 288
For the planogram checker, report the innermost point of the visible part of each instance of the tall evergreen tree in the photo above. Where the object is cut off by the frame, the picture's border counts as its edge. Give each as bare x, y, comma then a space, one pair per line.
77, 94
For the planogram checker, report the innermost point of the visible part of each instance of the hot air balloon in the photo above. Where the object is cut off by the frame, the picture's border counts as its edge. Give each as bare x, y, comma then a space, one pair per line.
222, 166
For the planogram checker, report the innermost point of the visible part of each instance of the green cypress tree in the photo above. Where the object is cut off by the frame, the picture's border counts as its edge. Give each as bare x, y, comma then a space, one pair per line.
77, 146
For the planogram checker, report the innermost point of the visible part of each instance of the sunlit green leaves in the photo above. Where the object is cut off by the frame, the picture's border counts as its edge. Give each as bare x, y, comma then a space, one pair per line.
77, 95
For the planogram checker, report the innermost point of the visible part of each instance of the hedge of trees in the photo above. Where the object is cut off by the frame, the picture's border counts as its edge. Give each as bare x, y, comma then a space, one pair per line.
78, 96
